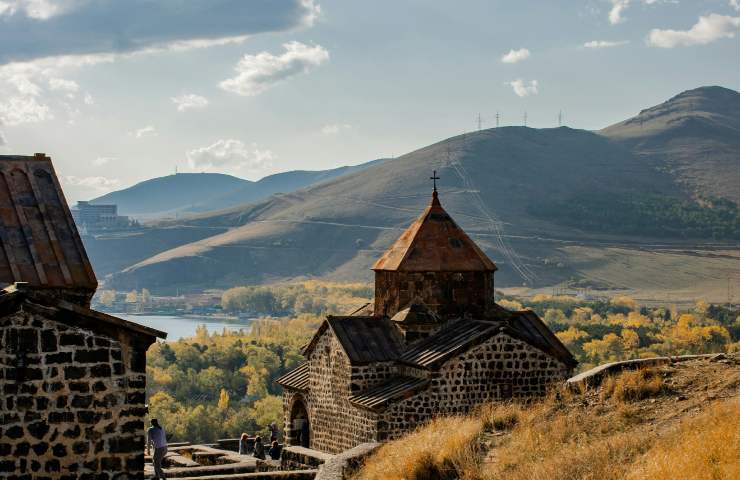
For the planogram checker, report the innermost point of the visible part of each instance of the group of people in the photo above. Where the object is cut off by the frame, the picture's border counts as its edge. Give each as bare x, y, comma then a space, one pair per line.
259, 445
157, 438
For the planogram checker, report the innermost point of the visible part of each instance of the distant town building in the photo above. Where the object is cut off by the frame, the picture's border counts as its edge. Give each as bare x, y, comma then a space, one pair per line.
434, 343
73, 380
91, 216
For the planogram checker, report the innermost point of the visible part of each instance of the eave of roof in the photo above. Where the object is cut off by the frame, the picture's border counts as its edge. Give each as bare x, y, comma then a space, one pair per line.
296, 379
397, 388
11, 300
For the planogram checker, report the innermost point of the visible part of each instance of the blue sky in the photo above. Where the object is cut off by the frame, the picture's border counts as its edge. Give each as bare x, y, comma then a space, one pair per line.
118, 92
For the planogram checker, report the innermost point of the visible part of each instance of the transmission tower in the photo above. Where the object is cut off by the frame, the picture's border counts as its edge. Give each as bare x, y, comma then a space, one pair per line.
560, 118
497, 119
525, 119
480, 122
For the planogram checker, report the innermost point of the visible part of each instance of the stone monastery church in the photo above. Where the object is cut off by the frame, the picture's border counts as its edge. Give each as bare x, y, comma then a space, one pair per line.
435, 342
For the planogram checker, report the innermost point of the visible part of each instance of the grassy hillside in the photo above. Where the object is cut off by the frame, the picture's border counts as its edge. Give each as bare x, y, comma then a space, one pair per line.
532, 198
675, 421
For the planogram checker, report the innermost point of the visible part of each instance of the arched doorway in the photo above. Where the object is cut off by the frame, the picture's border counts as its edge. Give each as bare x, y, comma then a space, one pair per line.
300, 429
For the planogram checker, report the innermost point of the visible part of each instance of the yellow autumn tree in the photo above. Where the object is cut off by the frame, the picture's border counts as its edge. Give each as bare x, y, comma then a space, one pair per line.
572, 336
630, 341
223, 400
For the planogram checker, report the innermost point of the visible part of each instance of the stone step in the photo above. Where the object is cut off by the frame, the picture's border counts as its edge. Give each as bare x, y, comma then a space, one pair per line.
281, 475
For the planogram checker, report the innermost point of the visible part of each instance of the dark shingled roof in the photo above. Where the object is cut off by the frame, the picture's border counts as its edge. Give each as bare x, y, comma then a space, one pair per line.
527, 326
365, 339
394, 389
296, 379
434, 243
449, 341
39, 240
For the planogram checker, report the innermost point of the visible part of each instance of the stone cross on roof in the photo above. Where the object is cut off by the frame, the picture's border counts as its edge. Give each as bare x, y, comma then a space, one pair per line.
434, 178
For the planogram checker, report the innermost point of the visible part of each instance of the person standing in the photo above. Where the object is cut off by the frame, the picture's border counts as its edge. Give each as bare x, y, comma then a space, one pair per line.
259, 448
156, 436
243, 446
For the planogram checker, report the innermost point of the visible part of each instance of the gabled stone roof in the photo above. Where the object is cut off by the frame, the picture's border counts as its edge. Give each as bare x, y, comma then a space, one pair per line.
434, 243
364, 339
39, 243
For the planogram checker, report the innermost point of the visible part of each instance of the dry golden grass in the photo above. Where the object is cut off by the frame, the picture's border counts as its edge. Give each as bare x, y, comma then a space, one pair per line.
632, 385
707, 447
440, 450
603, 434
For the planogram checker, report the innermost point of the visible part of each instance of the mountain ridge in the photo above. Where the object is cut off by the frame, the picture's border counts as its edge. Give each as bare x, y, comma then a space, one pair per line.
495, 183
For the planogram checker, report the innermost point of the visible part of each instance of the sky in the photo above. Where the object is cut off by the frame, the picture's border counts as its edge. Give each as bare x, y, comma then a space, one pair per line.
119, 92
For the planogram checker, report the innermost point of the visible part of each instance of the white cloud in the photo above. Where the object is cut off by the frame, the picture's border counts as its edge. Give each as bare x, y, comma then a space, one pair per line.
706, 30
23, 109
35, 9
335, 128
616, 14
230, 155
605, 44
617, 11
515, 56
89, 100
189, 101
61, 84
735, 4
257, 73
522, 89
96, 183
100, 161
148, 131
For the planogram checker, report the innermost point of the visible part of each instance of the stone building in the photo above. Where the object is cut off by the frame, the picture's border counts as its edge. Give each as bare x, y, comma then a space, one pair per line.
434, 342
72, 379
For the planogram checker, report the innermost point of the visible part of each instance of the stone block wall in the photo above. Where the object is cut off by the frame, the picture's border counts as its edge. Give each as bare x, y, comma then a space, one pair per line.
501, 368
335, 424
449, 294
72, 402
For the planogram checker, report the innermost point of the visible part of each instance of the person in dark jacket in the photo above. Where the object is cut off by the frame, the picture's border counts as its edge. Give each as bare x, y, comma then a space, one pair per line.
259, 448
274, 451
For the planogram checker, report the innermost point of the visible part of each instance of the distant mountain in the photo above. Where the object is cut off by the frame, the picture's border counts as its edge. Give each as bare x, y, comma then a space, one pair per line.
186, 193
694, 135
170, 194
605, 209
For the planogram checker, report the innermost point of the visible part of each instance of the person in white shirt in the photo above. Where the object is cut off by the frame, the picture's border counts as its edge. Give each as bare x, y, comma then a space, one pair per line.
156, 436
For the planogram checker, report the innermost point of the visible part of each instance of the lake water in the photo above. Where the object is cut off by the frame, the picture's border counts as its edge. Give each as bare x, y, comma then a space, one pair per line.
179, 327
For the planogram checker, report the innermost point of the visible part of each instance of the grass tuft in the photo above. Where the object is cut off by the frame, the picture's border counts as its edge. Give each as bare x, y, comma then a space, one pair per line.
632, 385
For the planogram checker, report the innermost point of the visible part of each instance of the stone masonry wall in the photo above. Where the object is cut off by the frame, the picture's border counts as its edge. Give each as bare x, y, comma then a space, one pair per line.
449, 294
335, 424
499, 369
75, 410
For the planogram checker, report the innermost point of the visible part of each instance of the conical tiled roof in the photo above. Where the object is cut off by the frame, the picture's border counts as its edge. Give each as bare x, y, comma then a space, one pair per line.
434, 243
